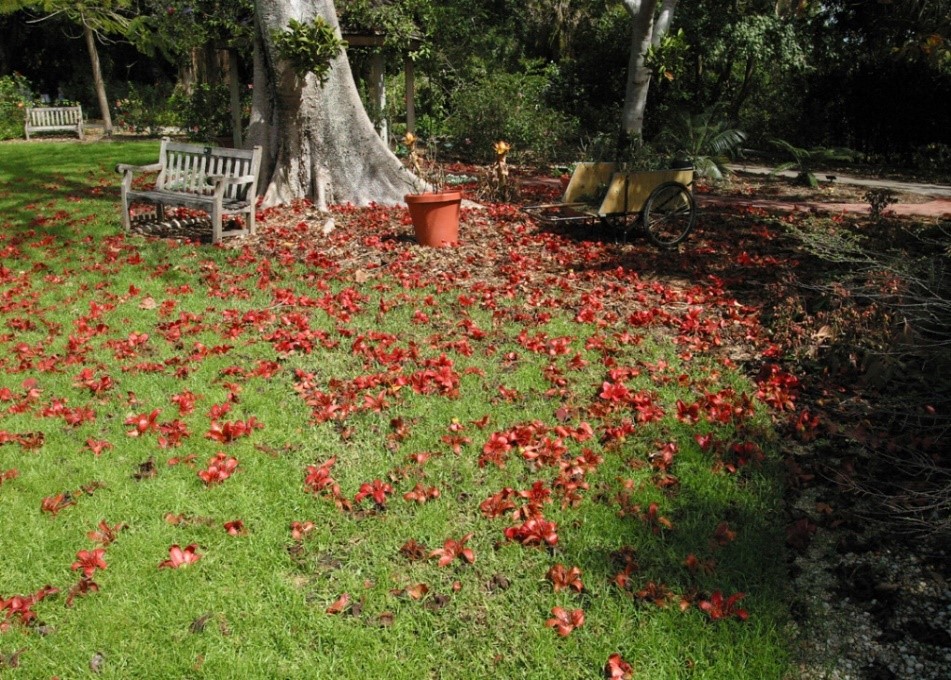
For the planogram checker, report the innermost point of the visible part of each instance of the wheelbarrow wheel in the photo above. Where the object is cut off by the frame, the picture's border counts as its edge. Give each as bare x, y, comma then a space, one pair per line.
668, 214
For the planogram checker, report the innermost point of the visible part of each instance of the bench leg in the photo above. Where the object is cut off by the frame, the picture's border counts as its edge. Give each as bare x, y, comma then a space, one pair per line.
159, 212
126, 219
216, 223
251, 224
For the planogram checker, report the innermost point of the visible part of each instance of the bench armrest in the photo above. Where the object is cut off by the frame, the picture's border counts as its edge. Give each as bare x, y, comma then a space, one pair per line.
123, 168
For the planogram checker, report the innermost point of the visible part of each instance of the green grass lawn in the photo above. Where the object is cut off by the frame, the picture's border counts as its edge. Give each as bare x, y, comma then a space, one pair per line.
545, 434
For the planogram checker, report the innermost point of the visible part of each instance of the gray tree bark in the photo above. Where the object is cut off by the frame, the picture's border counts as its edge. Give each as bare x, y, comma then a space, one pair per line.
647, 30
318, 140
97, 80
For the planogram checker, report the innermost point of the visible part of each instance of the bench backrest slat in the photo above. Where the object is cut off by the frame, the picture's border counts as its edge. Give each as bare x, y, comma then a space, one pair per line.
186, 168
56, 116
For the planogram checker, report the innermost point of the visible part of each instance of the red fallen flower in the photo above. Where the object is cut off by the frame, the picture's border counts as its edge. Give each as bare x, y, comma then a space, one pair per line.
451, 549
235, 528
301, 529
339, 605
142, 423
655, 520
106, 534
564, 621
723, 534
656, 593
693, 563
318, 476
185, 402
188, 460
617, 668
413, 551
535, 531
180, 557
377, 489
219, 469
562, 578
719, 608
614, 392
494, 450
12, 473
97, 446
22, 606
421, 494
53, 504
83, 587
498, 503
228, 431
89, 561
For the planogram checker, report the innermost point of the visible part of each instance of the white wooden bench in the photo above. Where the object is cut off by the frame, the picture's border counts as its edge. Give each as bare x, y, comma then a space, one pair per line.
216, 180
54, 119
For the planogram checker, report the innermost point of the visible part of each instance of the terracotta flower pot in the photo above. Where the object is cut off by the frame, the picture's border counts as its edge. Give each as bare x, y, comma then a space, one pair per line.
435, 217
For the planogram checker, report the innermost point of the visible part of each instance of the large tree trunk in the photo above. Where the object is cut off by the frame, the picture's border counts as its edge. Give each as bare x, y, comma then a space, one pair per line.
97, 80
645, 31
318, 141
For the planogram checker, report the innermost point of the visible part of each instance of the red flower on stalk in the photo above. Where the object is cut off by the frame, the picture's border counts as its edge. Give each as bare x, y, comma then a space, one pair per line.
181, 557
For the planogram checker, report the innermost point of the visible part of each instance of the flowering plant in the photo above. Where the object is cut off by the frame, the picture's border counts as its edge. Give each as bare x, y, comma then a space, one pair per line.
428, 175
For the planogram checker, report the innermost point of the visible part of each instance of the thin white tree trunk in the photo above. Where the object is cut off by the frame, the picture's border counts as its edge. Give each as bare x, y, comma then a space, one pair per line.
319, 142
98, 83
646, 31
638, 75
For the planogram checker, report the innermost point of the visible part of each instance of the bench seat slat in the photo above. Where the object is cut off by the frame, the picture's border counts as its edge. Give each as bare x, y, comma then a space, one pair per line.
186, 200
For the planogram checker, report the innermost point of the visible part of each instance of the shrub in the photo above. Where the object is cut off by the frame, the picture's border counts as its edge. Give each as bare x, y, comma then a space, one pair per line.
509, 106
932, 158
205, 114
145, 109
15, 96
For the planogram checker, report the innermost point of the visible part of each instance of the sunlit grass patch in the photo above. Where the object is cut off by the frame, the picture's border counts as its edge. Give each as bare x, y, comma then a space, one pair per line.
360, 433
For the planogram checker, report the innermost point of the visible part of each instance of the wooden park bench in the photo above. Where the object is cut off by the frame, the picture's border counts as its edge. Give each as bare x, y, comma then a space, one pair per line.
216, 180
54, 119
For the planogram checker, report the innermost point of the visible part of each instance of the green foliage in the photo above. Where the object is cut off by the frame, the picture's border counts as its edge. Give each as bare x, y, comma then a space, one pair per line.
933, 158
705, 140
146, 109
309, 47
879, 200
804, 160
15, 96
205, 113
509, 106
667, 59
175, 27
399, 22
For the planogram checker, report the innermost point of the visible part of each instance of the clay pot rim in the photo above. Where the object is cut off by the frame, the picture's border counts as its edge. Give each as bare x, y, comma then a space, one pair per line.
433, 197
